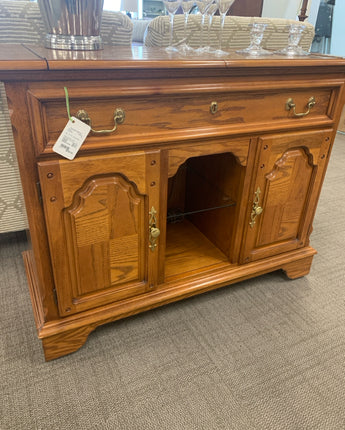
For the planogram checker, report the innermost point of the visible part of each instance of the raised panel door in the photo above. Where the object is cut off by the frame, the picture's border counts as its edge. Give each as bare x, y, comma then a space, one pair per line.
97, 214
290, 170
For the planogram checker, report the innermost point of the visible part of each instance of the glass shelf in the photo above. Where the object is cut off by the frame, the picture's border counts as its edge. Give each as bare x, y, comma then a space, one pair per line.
202, 193
178, 215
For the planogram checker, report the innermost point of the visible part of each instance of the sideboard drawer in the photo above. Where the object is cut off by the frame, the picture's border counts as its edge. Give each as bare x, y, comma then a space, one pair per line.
179, 112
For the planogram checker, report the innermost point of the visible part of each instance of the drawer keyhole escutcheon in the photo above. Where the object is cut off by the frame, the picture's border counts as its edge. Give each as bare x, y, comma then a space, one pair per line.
119, 118
154, 231
256, 208
213, 107
290, 105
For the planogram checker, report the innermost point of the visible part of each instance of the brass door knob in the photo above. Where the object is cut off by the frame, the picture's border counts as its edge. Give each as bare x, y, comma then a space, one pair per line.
258, 210
155, 232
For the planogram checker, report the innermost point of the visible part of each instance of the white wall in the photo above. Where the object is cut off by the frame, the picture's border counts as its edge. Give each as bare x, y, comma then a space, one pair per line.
288, 9
313, 10
338, 30
112, 5
281, 8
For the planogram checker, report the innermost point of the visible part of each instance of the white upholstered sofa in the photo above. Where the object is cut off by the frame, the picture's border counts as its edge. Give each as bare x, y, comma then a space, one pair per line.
21, 22
236, 33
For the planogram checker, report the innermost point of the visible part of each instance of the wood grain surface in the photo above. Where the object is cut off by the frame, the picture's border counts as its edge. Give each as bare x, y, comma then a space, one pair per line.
104, 243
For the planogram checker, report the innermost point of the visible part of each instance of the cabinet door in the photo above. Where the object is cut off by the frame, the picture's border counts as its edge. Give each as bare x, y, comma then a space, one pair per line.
289, 174
97, 215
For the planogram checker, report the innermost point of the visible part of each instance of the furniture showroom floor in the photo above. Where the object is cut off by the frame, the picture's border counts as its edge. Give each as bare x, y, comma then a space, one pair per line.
265, 354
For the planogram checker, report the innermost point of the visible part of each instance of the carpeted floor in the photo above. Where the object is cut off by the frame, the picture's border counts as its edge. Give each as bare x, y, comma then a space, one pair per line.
268, 353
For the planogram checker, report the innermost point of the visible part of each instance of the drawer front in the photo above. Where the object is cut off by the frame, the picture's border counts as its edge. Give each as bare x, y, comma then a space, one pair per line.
179, 112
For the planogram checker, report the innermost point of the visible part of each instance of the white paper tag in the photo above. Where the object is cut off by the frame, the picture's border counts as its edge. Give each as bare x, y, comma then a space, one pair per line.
71, 138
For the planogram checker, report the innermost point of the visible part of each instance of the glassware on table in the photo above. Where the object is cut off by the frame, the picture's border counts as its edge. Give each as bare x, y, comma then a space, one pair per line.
171, 7
293, 48
256, 34
203, 5
223, 6
186, 5
209, 13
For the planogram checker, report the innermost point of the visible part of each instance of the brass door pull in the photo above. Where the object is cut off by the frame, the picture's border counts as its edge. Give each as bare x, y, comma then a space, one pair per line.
256, 208
154, 231
291, 105
119, 117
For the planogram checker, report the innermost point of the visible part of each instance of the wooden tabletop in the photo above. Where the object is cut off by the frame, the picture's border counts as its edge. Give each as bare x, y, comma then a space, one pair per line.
20, 57
29, 57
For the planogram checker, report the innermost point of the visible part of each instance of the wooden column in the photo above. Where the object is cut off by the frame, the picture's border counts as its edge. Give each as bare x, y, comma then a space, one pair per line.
302, 16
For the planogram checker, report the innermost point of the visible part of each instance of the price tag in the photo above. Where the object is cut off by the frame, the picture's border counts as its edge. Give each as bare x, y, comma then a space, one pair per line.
71, 138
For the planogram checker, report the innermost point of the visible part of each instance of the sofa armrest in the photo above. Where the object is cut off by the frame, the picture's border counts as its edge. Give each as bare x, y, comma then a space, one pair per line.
12, 211
139, 29
21, 22
116, 29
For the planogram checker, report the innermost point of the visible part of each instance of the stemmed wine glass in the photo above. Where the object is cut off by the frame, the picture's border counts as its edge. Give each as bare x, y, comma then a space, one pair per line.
171, 6
256, 34
203, 5
210, 12
223, 6
186, 8
293, 48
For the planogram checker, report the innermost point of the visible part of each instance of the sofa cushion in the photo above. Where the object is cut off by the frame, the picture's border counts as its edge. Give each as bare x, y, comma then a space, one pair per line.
236, 33
139, 29
21, 22
116, 29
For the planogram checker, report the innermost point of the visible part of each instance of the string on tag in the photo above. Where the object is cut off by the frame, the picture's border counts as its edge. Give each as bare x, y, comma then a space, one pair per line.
67, 104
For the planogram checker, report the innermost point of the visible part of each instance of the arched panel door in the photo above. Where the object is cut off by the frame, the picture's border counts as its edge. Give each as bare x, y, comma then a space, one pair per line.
104, 234
97, 213
290, 170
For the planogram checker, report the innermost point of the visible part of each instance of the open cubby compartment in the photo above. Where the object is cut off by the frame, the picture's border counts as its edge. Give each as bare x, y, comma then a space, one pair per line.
201, 213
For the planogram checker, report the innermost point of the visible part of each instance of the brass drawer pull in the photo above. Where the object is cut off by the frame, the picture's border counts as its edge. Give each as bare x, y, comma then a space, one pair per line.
291, 105
256, 208
119, 117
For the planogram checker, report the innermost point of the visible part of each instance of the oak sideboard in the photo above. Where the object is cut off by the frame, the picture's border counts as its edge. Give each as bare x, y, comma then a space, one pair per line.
198, 173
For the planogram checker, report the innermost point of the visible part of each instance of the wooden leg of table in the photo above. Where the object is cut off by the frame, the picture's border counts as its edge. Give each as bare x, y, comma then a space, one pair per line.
65, 343
299, 268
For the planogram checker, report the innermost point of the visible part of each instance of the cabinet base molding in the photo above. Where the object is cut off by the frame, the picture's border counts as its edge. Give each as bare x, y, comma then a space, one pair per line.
66, 335
66, 342
297, 269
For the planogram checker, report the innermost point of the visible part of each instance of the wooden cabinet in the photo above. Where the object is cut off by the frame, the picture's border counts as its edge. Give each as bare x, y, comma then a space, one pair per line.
213, 177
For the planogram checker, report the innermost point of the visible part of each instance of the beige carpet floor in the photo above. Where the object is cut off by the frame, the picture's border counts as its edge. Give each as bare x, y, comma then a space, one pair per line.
268, 353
